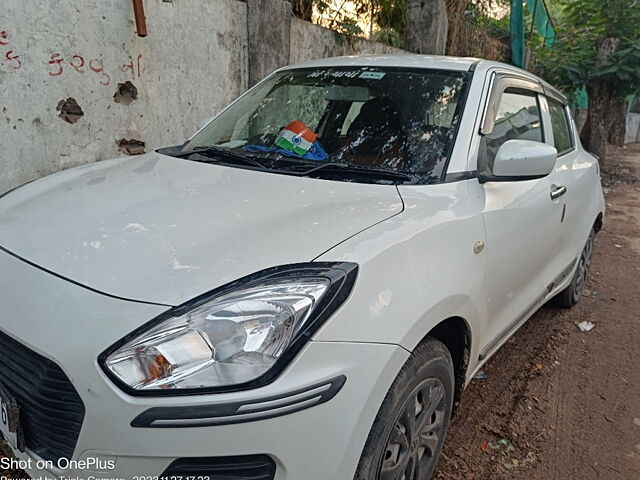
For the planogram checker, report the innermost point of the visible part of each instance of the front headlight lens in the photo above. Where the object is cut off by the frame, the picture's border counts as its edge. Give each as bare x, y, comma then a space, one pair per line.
231, 339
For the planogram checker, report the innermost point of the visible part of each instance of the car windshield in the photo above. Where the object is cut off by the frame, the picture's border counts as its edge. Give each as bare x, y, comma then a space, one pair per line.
393, 121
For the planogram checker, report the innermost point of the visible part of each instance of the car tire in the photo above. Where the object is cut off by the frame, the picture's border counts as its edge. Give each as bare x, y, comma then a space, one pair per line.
568, 297
397, 447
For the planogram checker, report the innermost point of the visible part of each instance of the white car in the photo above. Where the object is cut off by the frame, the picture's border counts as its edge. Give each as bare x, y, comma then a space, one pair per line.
304, 288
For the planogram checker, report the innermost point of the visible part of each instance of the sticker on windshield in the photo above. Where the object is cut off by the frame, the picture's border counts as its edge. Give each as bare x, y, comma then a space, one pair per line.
334, 73
372, 75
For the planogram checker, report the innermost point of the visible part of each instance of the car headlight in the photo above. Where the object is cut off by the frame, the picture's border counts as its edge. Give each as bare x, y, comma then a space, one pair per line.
238, 336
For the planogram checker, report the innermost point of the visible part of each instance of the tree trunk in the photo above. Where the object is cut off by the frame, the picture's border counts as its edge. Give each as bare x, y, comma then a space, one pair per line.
585, 133
426, 24
600, 102
302, 9
618, 122
598, 120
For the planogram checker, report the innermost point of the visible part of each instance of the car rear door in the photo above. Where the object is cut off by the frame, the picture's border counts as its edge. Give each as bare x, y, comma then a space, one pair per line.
522, 217
575, 173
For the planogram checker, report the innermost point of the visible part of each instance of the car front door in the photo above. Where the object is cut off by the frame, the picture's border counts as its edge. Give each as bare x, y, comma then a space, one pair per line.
522, 217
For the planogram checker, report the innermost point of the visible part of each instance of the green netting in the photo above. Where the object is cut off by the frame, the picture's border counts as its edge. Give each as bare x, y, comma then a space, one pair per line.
517, 34
544, 27
541, 20
581, 99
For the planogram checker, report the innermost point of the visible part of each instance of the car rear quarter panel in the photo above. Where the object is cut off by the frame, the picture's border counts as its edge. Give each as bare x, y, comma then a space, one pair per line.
416, 270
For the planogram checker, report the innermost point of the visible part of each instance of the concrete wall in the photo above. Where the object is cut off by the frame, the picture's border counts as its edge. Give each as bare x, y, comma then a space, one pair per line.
633, 128
269, 31
64, 54
310, 42
192, 63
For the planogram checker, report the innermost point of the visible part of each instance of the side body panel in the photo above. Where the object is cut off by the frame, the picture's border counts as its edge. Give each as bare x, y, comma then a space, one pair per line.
531, 240
522, 249
416, 270
523, 226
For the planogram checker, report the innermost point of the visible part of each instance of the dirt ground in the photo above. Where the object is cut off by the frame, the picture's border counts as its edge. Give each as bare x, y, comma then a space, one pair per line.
558, 403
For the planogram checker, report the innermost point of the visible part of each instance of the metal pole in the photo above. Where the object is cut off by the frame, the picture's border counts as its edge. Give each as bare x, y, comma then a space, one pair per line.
141, 21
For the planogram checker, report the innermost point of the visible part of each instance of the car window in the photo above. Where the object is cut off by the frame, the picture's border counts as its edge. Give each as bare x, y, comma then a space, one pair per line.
403, 120
560, 126
518, 118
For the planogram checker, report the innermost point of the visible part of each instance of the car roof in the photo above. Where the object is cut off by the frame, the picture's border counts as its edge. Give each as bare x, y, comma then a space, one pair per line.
412, 60
405, 60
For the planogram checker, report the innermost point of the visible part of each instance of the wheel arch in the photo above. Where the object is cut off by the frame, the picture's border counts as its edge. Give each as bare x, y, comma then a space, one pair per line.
597, 225
455, 334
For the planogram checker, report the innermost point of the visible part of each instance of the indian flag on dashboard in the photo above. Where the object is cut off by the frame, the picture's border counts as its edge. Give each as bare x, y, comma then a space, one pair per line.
296, 137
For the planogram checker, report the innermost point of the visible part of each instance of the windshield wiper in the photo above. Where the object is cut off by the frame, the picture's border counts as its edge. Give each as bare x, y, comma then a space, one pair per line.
223, 154
357, 170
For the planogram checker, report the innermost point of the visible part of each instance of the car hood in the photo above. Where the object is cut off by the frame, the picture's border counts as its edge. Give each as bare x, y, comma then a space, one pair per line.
164, 230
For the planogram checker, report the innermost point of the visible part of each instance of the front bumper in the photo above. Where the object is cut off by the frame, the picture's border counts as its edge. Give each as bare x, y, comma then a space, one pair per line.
71, 325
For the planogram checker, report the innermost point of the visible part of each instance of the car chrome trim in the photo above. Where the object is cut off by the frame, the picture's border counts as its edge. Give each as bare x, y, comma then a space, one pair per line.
250, 410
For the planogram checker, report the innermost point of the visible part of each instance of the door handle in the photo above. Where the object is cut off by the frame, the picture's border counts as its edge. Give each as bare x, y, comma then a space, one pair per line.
557, 192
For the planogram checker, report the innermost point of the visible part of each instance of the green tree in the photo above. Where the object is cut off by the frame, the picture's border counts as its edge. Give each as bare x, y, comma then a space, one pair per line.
597, 46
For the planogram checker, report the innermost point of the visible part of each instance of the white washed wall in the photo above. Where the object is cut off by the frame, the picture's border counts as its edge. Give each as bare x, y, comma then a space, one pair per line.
192, 63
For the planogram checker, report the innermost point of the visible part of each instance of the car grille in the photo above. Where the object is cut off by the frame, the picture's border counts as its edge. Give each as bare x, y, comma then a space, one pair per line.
51, 410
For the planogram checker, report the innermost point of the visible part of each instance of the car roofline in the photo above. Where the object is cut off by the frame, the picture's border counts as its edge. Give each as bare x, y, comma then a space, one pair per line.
405, 60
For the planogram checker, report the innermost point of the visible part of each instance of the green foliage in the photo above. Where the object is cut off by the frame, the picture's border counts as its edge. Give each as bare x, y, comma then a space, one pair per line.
581, 25
389, 36
476, 13
388, 16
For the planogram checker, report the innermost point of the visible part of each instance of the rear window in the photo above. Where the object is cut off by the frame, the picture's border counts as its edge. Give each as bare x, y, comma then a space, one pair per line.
560, 126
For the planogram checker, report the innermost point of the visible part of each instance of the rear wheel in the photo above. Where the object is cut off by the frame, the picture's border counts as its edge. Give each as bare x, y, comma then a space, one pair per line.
407, 435
571, 295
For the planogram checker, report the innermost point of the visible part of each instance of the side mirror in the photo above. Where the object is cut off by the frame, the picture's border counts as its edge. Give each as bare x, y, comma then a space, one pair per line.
521, 160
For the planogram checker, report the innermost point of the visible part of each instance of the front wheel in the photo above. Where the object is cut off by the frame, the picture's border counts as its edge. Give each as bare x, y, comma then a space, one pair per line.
407, 435
571, 295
